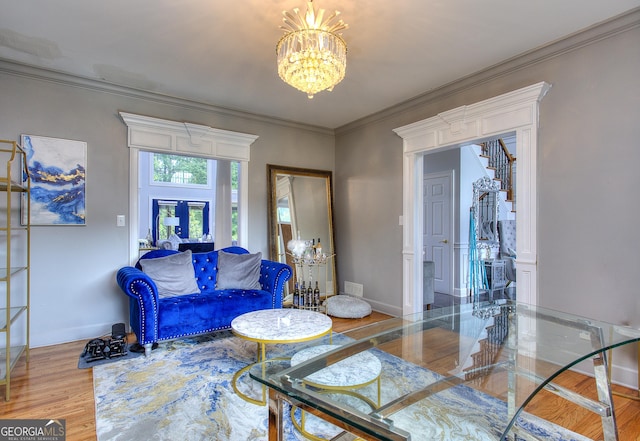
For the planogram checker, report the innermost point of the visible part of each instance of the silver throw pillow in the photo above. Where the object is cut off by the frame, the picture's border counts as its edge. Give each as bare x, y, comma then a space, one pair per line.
173, 275
238, 271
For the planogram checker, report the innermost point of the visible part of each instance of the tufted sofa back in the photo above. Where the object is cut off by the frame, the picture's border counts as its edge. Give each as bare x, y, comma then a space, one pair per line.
204, 264
206, 268
507, 236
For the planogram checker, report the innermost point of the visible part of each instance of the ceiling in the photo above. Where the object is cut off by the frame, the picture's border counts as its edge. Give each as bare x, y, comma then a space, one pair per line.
222, 52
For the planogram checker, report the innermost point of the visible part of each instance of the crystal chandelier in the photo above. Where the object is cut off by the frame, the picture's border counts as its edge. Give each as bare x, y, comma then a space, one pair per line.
311, 56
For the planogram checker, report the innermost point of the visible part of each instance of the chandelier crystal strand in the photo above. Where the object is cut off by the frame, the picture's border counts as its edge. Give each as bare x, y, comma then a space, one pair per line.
311, 56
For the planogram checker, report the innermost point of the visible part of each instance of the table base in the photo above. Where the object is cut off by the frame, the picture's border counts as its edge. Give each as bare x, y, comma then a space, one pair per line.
300, 426
262, 354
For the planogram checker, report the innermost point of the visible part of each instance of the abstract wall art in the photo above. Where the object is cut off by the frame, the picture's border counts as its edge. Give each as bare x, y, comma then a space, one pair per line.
57, 168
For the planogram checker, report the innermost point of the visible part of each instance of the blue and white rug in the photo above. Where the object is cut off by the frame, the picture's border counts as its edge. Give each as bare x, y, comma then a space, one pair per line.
183, 391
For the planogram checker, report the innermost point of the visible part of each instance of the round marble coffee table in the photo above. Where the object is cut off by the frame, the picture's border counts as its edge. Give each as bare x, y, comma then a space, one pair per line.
271, 326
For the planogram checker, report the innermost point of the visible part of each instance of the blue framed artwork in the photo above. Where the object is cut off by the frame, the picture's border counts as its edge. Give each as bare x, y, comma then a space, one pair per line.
57, 168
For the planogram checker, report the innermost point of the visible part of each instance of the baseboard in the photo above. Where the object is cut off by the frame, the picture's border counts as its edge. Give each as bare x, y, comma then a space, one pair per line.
60, 336
458, 292
621, 375
624, 376
384, 308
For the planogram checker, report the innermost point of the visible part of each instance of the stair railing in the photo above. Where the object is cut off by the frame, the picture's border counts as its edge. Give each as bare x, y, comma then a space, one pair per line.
504, 164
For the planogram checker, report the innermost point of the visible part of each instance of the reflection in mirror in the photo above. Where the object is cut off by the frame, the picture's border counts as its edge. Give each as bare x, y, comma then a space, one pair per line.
300, 207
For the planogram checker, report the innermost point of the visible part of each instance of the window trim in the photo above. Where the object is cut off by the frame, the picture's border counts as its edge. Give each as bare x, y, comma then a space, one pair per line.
146, 133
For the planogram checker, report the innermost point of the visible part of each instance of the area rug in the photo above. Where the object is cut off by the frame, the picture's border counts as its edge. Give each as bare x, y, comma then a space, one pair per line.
183, 391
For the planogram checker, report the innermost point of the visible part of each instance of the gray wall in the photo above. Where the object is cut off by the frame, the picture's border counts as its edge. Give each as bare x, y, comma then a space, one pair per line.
74, 294
587, 175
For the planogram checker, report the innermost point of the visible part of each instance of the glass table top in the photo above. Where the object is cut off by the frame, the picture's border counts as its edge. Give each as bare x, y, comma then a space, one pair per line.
452, 372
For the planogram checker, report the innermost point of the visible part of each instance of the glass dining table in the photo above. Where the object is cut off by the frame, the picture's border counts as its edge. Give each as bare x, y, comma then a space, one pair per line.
467, 372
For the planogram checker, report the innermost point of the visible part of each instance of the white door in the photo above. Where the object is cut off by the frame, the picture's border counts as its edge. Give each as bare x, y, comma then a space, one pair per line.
438, 238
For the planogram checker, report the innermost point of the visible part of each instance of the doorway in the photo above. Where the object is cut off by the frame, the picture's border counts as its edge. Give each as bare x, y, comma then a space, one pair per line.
516, 112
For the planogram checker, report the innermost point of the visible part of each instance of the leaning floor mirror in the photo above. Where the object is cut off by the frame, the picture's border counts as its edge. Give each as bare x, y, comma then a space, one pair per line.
301, 226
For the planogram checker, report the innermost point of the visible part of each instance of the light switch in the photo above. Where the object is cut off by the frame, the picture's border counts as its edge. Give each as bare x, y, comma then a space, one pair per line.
120, 220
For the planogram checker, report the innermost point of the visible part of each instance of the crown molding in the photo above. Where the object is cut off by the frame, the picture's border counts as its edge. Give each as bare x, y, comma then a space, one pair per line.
53, 76
598, 32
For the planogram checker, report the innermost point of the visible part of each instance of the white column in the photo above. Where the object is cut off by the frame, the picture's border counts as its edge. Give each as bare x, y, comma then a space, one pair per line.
222, 221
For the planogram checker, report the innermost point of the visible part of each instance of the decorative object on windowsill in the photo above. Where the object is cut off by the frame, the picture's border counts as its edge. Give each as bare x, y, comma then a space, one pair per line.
170, 222
148, 241
311, 56
175, 241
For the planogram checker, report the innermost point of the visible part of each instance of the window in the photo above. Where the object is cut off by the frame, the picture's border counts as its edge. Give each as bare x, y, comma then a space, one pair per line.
201, 193
230, 149
176, 169
185, 219
163, 211
284, 214
235, 182
198, 218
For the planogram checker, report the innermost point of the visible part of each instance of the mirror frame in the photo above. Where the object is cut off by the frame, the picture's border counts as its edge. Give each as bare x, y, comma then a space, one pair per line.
272, 173
481, 187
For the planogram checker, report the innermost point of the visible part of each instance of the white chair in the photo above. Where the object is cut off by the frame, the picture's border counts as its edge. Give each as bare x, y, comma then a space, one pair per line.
507, 251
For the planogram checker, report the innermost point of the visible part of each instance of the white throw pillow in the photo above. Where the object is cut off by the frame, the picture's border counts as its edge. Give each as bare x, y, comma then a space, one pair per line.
173, 275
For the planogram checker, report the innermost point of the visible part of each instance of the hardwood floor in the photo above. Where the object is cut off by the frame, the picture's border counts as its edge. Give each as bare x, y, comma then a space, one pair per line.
52, 387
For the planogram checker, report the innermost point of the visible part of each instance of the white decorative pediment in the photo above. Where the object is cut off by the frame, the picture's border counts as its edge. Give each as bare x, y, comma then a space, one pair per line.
160, 135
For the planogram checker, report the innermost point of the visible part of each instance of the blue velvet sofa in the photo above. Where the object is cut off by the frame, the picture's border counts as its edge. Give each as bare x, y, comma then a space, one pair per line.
155, 318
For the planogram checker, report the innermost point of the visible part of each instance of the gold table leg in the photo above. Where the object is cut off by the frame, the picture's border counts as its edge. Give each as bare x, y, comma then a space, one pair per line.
261, 358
